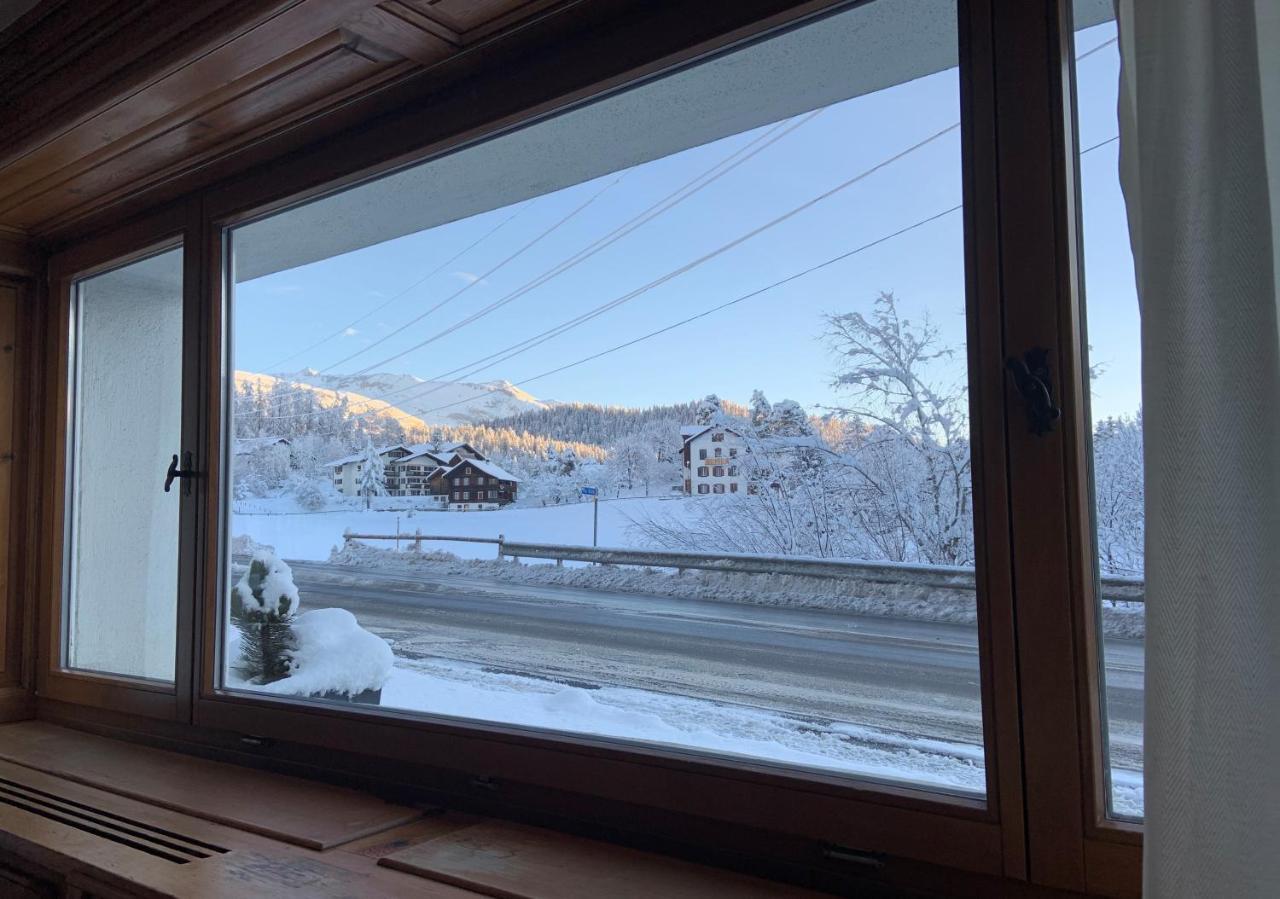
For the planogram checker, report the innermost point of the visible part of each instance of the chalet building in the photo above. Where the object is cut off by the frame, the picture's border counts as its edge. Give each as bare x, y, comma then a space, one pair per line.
421, 473
479, 484
713, 460
346, 471
429, 470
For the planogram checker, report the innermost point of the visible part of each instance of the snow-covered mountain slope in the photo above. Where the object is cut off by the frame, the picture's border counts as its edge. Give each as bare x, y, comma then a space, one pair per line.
416, 401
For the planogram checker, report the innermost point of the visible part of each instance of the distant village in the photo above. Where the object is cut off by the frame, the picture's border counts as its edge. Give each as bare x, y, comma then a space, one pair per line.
459, 477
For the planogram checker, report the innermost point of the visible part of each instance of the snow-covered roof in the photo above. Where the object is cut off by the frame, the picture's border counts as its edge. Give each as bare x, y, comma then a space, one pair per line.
433, 457
246, 445
493, 471
688, 432
356, 457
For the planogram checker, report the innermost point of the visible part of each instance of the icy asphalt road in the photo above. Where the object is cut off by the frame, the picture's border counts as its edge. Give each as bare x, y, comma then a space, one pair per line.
916, 678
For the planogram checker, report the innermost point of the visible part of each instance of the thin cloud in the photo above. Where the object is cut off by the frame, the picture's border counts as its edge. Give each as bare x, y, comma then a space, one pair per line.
350, 332
469, 277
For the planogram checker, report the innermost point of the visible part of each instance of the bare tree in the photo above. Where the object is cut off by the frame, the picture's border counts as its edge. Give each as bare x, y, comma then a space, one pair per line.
911, 449
1119, 494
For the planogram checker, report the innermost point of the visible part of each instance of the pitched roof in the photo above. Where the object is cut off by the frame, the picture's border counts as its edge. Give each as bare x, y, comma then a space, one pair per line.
245, 445
420, 454
688, 432
494, 471
356, 457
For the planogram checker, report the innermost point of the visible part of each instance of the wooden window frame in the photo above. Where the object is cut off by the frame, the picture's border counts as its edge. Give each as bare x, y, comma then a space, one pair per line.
166, 229
1043, 819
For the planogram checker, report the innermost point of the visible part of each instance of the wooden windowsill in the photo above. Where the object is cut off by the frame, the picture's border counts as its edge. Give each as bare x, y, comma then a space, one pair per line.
107, 814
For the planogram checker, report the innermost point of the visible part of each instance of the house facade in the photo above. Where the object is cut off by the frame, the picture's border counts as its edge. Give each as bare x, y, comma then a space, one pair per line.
477, 484
713, 458
346, 471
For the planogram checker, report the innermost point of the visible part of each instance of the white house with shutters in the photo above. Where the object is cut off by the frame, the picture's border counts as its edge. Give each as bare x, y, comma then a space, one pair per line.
713, 460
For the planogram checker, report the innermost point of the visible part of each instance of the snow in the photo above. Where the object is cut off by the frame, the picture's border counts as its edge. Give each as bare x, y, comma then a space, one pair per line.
334, 654
432, 402
311, 536
458, 689
488, 468
1127, 794
276, 586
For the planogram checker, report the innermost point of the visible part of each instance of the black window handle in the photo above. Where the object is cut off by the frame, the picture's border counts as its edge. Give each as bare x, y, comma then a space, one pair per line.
175, 472
1032, 378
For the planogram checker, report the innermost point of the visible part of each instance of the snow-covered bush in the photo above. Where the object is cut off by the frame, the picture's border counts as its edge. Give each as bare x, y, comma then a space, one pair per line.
263, 603
334, 656
311, 494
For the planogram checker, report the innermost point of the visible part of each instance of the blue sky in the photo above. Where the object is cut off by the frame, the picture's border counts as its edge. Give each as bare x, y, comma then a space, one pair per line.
773, 341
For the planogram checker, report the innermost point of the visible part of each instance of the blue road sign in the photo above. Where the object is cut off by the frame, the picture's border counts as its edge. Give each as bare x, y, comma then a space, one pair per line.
589, 491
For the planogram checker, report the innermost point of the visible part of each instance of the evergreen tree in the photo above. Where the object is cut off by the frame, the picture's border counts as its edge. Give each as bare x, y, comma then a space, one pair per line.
263, 604
709, 410
373, 481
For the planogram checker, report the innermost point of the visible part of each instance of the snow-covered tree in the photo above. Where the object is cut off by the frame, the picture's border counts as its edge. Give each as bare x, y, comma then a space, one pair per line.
1119, 495
910, 447
373, 479
710, 410
760, 408
263, 605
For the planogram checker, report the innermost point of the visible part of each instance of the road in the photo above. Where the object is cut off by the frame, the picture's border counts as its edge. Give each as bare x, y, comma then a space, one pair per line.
909, 677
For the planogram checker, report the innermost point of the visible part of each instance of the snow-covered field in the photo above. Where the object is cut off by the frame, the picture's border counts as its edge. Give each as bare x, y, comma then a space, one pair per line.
299, 535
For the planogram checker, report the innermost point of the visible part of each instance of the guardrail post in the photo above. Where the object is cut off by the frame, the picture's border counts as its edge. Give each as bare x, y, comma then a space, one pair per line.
500, 539
417, 540
346, 537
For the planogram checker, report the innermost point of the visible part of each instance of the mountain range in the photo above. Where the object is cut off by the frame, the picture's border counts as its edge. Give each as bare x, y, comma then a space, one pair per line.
414, 402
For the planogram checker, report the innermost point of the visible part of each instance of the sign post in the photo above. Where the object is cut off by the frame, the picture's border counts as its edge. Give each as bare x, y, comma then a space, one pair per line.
595, 513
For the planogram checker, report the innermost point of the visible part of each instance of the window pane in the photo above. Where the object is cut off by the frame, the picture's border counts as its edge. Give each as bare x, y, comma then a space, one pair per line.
1111, 307
126, 383
724, 263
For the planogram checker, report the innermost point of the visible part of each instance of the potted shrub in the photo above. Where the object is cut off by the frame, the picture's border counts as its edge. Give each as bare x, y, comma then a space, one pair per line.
323, 653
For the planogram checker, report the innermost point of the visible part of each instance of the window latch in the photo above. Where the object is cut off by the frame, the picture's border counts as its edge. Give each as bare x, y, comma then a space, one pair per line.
186, 473
1032, 378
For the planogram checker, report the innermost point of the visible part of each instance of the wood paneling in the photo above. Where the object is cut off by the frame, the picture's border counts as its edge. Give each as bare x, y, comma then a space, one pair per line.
106, 104
8, 340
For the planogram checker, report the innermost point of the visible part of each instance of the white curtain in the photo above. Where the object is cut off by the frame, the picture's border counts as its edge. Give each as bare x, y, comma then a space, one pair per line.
1200, 168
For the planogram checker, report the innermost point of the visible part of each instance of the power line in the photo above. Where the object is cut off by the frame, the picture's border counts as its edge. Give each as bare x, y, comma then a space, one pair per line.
428, 276
470, 284
581, 319
618, 233
706, 312
578, 320
686, 190
542, 279
714, 309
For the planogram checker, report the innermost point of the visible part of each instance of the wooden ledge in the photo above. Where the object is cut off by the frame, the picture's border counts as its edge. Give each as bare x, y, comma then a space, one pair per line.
290, 809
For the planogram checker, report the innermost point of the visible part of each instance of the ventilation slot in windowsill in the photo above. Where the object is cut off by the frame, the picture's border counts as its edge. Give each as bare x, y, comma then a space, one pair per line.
146, 838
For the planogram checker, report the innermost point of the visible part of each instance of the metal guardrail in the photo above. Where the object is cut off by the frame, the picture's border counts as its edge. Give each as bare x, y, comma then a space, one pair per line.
1123, 589
417, 537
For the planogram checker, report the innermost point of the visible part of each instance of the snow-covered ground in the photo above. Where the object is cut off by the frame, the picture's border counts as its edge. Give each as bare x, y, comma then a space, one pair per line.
458, 689
298, 535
